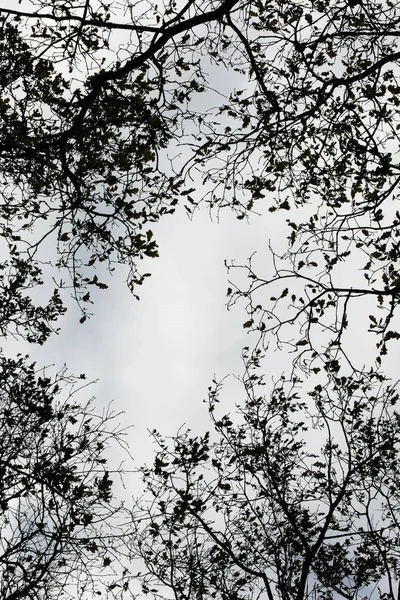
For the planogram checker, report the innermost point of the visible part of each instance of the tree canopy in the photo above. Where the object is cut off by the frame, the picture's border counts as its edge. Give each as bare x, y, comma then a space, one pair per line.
296, 497
62, 533
112, 115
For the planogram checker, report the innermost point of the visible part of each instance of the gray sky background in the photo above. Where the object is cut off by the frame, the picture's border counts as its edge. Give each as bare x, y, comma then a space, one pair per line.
156, 358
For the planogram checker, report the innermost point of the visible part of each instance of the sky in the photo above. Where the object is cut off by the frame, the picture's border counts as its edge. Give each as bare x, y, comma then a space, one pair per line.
156, 358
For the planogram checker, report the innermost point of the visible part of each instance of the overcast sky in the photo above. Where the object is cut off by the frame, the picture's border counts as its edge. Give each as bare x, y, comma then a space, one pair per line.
156, 358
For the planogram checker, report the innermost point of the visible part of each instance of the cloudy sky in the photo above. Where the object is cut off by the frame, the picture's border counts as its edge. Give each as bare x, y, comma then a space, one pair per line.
156, 357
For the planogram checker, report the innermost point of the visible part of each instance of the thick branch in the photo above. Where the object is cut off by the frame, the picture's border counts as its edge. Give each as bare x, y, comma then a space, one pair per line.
99, 80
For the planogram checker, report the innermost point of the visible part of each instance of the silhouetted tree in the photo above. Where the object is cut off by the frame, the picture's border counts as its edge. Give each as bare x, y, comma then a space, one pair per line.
110, 117
296, 496
62, 533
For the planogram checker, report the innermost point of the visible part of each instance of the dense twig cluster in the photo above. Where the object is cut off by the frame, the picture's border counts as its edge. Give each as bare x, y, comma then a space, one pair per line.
101, 135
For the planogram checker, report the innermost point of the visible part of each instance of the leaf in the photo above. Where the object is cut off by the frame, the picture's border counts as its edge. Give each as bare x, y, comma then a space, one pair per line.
391, 335
248, 324
281, 166
302, 343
